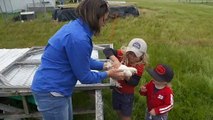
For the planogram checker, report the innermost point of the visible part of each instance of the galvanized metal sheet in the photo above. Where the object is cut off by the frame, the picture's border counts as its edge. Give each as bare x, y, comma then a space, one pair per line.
7, 56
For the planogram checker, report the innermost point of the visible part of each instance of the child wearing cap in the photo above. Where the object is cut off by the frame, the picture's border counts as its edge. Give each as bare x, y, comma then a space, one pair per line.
159, 95
135, 56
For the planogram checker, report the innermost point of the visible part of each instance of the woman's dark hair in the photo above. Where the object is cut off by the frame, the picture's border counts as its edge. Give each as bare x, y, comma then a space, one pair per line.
90, 11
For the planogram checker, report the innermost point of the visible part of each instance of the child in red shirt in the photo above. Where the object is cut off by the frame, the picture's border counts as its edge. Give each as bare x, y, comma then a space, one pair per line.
159, 95
133, 56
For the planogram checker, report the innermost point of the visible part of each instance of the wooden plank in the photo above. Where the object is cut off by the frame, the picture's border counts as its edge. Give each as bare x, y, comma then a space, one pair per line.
10, 109
24, 101
13, 93
17, 116
21, 90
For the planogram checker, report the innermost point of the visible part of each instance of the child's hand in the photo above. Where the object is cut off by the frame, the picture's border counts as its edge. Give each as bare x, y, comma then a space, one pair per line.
143, 89
152, 112
116, 64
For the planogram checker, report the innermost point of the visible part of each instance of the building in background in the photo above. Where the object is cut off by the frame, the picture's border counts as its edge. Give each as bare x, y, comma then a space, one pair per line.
9, 6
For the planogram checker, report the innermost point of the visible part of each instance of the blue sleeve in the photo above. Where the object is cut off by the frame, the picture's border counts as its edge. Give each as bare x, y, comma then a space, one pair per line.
79, 55
96, 65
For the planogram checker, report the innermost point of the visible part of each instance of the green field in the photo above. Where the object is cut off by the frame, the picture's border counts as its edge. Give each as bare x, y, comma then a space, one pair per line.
177, 33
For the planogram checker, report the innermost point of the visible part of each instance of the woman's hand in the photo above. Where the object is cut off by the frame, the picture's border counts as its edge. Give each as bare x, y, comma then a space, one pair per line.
107, 65
116, 74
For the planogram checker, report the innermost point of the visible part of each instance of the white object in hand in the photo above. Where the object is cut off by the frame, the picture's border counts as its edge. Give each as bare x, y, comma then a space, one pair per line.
108, 65
128, 71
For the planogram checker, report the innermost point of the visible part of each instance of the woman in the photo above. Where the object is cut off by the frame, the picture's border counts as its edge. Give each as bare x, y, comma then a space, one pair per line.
66, 59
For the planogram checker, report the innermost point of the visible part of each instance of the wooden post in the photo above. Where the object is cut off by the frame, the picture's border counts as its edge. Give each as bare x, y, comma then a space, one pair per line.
24, 101
98, 105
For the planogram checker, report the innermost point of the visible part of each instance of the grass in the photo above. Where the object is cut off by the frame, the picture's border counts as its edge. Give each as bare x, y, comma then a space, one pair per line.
29, 33
177, 33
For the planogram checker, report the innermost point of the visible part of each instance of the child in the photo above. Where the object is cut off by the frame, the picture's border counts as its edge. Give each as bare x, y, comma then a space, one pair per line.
134, 56
159, 95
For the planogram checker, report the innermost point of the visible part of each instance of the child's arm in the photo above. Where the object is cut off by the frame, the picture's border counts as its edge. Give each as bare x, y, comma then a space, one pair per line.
169, 102
116, 63
111, 54
134, 80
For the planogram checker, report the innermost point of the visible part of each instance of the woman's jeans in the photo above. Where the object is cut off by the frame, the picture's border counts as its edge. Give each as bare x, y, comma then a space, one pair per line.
54, 107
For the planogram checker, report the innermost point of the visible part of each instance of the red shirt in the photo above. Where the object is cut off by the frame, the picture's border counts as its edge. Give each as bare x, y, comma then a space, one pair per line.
126, 88
161, 100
